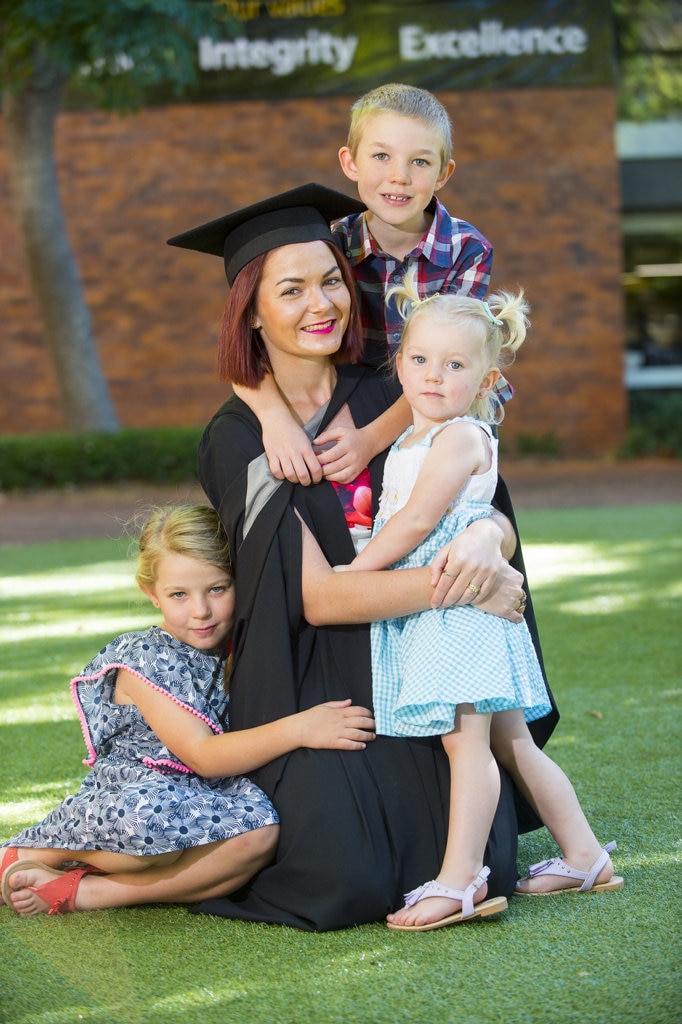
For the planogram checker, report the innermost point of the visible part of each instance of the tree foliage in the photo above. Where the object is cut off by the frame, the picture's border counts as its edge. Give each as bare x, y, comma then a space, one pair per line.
114, 53
649, 56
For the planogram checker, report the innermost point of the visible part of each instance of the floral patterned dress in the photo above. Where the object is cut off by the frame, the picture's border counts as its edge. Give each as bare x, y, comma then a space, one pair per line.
138, 797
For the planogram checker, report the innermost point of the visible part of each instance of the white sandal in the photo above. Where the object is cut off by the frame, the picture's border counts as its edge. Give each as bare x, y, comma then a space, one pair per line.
559, 867
469, 909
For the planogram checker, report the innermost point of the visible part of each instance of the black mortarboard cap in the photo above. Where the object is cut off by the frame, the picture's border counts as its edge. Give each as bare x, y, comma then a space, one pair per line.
302, 214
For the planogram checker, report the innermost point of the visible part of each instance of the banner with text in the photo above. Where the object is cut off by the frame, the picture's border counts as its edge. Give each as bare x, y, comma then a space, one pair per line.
331, 47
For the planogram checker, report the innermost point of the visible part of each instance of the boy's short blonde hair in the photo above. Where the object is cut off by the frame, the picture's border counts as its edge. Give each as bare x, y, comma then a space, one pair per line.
408, 101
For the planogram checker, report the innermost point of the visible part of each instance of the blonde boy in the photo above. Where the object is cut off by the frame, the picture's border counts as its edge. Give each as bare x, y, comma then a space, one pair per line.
399, 154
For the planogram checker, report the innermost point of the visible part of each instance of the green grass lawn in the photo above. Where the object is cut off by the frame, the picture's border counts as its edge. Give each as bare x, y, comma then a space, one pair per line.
607, 584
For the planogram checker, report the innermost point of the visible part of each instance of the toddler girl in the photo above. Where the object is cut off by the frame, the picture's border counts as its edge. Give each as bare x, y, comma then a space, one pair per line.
471, 677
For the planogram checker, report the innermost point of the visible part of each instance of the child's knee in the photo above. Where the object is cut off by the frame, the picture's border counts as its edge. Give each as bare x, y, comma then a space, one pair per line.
511, 751
260, 843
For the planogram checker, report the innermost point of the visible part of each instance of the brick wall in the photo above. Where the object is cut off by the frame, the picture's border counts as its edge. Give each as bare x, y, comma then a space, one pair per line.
536, 172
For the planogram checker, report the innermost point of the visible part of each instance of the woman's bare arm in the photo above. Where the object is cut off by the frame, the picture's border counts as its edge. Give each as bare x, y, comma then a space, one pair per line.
331, 598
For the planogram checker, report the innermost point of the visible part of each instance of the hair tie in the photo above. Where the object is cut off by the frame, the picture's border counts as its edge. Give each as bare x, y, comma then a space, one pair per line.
491, 316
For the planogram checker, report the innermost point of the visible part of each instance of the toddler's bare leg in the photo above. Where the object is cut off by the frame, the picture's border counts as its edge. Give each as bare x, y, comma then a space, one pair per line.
474, 794
548, 789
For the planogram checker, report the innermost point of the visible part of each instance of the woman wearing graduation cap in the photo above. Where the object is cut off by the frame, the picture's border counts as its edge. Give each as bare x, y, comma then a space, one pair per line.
358, 830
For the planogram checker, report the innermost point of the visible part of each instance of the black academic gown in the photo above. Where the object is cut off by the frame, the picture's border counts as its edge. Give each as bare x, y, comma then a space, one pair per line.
358, 829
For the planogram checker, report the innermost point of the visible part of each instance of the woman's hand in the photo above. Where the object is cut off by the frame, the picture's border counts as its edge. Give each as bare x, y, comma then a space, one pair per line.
466, 570
289, 452
508, 598
343, 453
337, 725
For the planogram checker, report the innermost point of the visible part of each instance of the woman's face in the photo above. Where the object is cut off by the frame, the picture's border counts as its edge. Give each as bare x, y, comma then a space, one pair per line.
302, 304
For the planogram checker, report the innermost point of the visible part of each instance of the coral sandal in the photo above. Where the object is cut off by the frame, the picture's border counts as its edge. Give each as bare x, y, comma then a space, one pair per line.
11, 856
559, 867
59, 894
466, 896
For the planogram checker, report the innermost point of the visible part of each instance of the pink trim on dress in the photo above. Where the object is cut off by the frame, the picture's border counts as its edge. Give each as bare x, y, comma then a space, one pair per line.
159, 765
92, 753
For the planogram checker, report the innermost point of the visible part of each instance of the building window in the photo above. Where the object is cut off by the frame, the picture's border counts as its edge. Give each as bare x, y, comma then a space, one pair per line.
653, 299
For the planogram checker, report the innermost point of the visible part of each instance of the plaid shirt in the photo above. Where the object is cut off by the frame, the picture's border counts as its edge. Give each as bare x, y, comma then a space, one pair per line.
451, 257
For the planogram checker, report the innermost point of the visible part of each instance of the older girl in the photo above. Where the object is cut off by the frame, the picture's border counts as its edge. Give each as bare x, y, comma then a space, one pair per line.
165, 810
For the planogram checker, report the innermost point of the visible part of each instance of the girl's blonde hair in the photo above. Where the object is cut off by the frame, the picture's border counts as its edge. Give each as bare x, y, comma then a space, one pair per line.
191, 530
501, 322
408, 101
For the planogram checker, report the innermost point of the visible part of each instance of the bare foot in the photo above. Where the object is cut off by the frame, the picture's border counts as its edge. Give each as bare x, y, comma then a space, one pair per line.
11, 854
435, 908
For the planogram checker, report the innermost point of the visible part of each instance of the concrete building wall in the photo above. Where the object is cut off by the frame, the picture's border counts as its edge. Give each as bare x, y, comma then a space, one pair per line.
536, 172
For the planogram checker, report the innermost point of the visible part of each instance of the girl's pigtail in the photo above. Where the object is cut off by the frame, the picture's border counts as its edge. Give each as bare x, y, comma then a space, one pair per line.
509, 312
507, 324
406, 294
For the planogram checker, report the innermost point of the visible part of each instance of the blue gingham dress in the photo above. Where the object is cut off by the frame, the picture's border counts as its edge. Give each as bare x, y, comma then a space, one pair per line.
138, 797
424, 665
